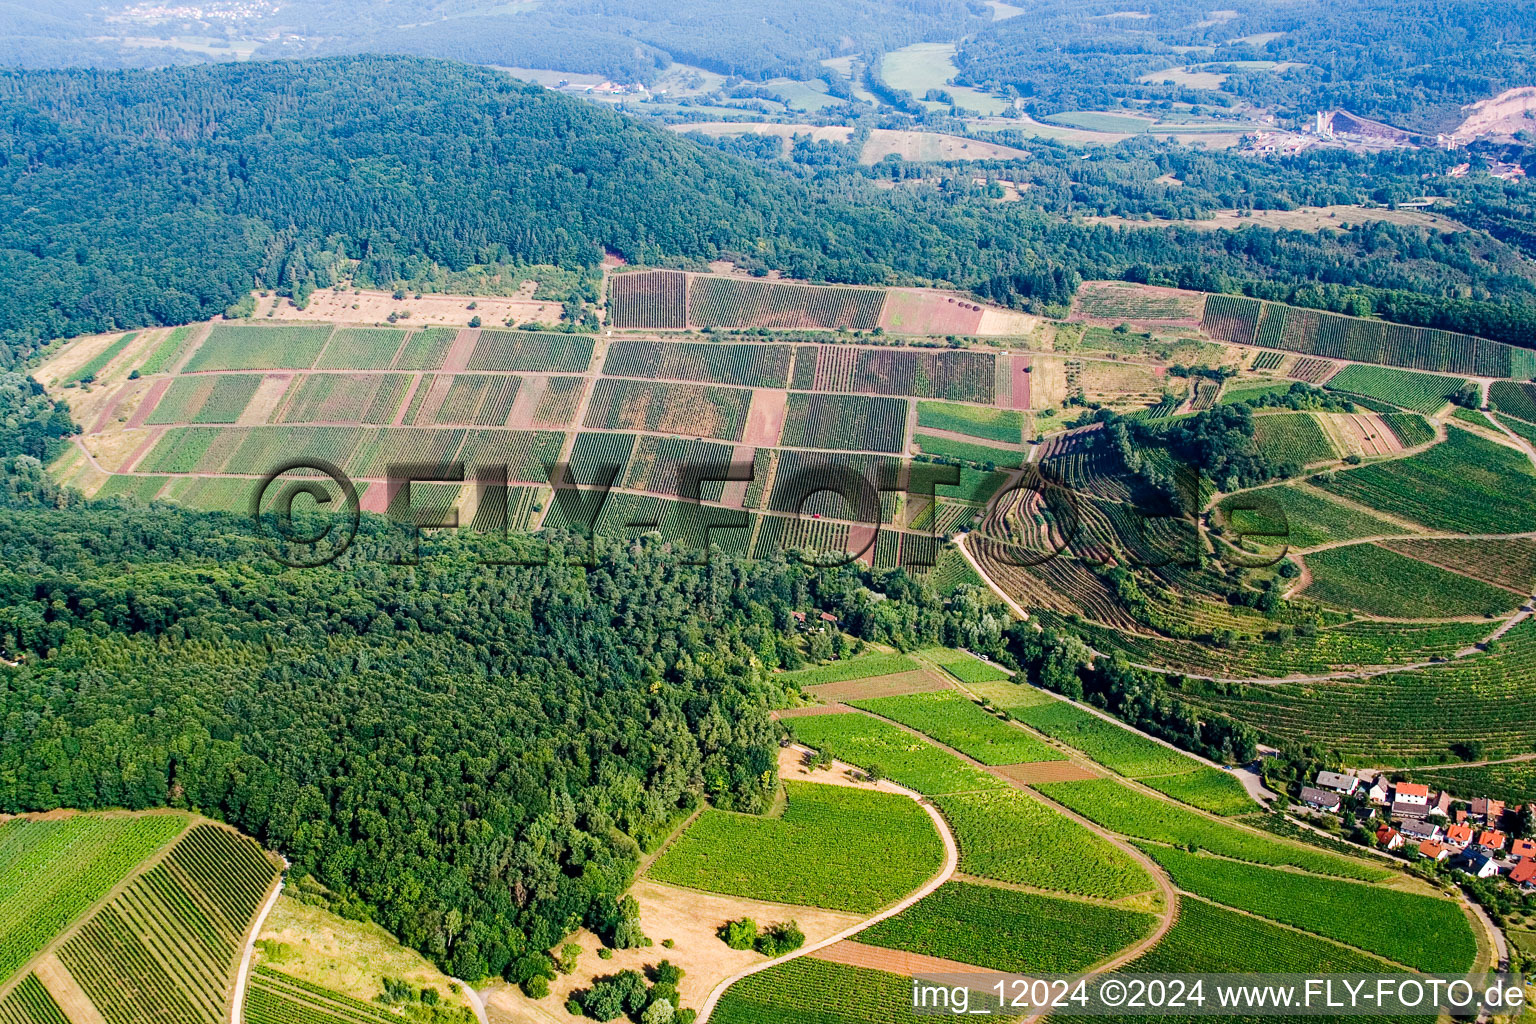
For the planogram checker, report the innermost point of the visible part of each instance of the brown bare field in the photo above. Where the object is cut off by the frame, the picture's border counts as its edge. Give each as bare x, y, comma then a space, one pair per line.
111, 407
690, 919
861, 542
330, 305
735, 493
1048, 382
1046, 771
1305, 218
765, 417
895, 961
378, 497
1362, 433
148, 402
529, 394
923, 311
1121, 383
896, 685
1020, 367
269, 395
463, 347
927, 146
120, 451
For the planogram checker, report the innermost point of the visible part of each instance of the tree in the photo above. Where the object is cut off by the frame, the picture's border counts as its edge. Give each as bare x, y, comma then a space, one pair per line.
739, 934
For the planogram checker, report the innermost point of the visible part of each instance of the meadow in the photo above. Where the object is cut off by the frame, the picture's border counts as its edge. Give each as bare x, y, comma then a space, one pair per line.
1427, 933
1010, 931
835, 847
863, 666
964, 666
956, 721
983, 422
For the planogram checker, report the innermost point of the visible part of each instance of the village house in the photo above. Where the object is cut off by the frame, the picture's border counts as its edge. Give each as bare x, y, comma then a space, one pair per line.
1388, 838
1410, 800
1433, 850
1492, 839
1477, 862
1459, 835
1321, 799
1416, 829
1380, 792
1524, 874
1490, 811
1345, 784
1522, 848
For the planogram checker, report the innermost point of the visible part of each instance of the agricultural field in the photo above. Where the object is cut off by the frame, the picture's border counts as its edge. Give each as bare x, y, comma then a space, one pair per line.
1409, 428
977, 421
957, 376
1402, 718
1514, 783
1514, 399
1309, 518
867, 742
845, 422
531, 352
964, 451
52, 871
866, 666
361, 348
811, 991
275, 997
163, 356
1293, 438
1464, 484
1417, 392
956, 721
1428, 933
1123, 810
426, 349
213, 398
372, 398
1010, 931
688, 409
965, 667
656, 299
252, 347
1504, 563
98, 362
817, 854
750, 302
1008, 836
1247, 321
1134, 756
752, 366
1372, 580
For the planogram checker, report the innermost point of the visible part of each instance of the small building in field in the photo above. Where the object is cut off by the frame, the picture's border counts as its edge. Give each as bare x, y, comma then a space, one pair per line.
1418, 831
1492, 839
1433, 850
1459, 835
1321, 799
1524, 874
1345, 784
1388, 838
1410, 800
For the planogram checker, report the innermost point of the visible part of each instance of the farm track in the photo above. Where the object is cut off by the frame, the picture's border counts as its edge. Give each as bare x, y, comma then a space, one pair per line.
237, 1002
951, 863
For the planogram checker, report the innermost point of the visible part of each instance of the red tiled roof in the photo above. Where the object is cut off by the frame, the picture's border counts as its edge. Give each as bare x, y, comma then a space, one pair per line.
1460, 833
1523, 848
1491, 839
1412, 789
1524, 872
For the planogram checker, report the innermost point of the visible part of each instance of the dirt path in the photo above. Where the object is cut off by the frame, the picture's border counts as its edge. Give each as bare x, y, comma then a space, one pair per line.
951, 862
997, 591
237, 1004
897, 961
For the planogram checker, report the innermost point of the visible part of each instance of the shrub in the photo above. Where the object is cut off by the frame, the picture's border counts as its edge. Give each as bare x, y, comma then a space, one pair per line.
739, 934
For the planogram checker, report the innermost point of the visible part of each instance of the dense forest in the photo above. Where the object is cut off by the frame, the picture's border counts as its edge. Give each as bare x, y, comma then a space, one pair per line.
154, 197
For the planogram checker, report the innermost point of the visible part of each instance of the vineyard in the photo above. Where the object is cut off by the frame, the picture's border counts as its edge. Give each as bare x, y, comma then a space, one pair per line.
52, 871
656, 299
473, 400
980, 455
1504, 563
278, 998
863, 741
956, 721
986, 423
658, 465
1370, 579
1420, 392
1518, 400
1514, 783
250, 347
528, 455
689, 409
845, 422
216, 398
822, 483
1267, 360
866, 666
531, 352
1247, 321
738, 302
361, 348
1409, 428
814, 855
1312, 370
1428, 933
1300, 516
753, 366
30, 1003
1010, 931
98, 362
167, 350
1292, 438
1007, 836
957, 376
965, 667
558, 404
1123, 810
426, 349
811, 991
1464, 484
372, 398
1117, 301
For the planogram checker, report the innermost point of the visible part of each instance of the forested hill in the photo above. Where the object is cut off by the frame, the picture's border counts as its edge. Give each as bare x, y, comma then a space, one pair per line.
156, 197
